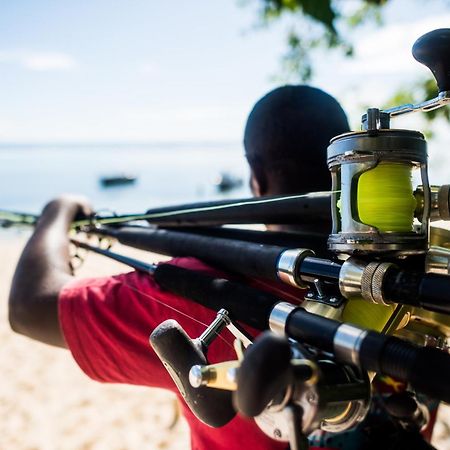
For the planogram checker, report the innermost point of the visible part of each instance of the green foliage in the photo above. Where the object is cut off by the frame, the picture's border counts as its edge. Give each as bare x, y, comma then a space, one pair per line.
317, 25
327, 25
319, 10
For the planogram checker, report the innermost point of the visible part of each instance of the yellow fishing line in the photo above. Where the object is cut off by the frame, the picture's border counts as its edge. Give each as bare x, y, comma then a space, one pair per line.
385, 197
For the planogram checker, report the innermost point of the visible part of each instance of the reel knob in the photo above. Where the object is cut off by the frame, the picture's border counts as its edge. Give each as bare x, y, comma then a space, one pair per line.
264, 372
433, 50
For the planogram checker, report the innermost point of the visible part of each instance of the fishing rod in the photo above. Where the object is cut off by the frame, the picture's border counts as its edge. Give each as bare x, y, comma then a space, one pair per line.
292, 209
299, 239
14, 218
306, 209
350, 345
328, 281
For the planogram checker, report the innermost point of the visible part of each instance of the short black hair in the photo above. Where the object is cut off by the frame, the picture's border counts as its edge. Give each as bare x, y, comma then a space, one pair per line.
287, 134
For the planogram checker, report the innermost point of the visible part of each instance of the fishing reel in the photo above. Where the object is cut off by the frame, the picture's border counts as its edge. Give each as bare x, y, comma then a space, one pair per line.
287, 386
375, 209
289, 389
379, 219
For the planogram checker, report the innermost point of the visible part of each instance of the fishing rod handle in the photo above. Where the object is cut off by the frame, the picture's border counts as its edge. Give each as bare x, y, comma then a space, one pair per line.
244, 303
426, 369
251, 259
291, 209
295, 266
430, 290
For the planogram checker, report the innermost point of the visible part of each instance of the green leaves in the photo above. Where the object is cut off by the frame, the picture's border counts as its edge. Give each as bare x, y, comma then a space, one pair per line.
315, 25
319, 10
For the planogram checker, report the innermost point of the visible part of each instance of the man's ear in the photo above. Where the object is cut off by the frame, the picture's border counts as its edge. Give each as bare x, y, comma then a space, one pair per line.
258, 183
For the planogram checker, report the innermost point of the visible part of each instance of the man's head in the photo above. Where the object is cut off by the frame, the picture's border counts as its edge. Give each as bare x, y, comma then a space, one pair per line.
286, 137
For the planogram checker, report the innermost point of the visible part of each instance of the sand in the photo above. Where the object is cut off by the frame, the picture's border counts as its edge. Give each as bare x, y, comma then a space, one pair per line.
47, 403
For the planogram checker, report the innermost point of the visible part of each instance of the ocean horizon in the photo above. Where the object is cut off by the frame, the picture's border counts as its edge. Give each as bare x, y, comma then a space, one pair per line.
166, 173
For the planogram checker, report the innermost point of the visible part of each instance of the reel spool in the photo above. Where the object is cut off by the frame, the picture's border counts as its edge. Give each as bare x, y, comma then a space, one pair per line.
372, 202
374, 206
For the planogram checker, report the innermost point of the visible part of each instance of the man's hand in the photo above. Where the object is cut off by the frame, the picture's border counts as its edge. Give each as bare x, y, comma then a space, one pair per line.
43, 269
68, 208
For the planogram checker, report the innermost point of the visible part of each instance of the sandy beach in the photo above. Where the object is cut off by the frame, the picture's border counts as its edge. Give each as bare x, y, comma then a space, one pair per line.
47, 403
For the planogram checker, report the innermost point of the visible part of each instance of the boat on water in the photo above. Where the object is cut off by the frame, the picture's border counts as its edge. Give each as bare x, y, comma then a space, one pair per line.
117, 180
226, 182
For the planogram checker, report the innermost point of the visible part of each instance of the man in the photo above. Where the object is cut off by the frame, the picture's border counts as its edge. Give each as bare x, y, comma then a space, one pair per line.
105, 322
286, 137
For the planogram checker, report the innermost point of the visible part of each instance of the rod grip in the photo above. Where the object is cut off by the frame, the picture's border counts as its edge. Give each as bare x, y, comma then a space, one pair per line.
292, 209
250, 259
244, 303
429, 291
426, 369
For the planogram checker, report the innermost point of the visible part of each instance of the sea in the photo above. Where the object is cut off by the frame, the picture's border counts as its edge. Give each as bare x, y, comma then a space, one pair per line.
166, 174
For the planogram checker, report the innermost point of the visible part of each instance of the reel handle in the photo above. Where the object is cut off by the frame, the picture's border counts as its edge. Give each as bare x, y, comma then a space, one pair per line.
178, 353
433, 50
264, 373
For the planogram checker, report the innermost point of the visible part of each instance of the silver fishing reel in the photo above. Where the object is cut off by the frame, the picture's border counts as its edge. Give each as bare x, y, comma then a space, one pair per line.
374, 207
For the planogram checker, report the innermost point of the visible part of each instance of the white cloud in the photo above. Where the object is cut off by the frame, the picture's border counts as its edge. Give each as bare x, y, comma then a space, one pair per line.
38, 61
388, 50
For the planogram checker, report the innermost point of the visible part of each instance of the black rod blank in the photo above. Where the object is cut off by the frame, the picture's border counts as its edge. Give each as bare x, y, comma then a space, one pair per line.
295, 209
251, 259
247, 258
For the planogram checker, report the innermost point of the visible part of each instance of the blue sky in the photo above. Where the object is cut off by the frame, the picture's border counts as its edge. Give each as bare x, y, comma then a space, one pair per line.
147, 70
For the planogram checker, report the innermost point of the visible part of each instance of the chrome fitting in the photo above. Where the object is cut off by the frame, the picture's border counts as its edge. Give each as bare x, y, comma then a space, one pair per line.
377, 283
219, 323
278, 317
289, 263
361, 279
439, 204
366, 281
200, 376
438, 260
443, 202
350, 278
347, 343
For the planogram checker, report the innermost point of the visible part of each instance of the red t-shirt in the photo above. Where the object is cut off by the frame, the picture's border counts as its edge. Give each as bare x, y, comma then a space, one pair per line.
107, 322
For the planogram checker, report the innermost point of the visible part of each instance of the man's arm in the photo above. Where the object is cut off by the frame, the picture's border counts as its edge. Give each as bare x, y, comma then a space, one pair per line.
42, 271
